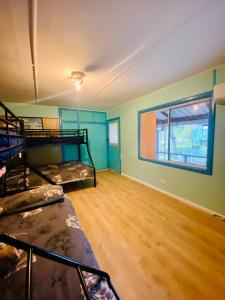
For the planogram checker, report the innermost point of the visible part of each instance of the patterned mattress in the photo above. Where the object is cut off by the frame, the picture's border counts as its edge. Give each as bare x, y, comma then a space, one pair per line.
58, 173
67, 172
54, 227
15, 179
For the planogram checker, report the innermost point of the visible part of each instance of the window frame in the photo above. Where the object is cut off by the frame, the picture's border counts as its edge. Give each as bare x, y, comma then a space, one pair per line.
210, 144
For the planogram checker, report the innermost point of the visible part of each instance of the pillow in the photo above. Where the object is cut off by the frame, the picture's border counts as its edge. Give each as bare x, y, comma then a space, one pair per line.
9, 256
30, 199
98, 287
57, 179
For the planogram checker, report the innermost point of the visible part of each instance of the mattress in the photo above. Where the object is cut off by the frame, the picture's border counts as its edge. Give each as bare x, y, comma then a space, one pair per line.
66, 172
15, 179
56, 228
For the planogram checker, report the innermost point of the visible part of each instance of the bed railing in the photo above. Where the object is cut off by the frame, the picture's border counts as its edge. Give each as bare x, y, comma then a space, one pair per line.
80, 268
75, 136
10, 118
12, 135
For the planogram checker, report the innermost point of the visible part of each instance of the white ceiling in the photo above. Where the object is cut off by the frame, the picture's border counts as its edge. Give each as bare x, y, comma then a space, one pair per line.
126, 47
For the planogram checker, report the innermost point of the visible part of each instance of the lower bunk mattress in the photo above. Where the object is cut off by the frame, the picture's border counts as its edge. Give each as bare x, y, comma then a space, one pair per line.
66, 172
56, 228
15, 179
58, 173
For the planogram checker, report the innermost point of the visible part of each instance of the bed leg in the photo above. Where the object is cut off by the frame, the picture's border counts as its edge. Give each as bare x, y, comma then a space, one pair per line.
94, 177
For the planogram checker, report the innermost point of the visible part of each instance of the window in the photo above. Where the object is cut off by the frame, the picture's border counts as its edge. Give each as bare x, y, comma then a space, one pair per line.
113, 134
179, 134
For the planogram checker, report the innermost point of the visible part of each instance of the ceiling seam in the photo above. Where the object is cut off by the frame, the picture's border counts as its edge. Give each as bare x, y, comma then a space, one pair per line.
32, 15
142, 50
109, 82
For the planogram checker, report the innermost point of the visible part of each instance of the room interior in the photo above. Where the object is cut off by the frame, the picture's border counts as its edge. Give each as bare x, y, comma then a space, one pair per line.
120, 106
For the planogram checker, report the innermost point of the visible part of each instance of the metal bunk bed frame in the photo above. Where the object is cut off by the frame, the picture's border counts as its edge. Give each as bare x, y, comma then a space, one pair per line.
31, 249
8, 120
11, 123
37, 137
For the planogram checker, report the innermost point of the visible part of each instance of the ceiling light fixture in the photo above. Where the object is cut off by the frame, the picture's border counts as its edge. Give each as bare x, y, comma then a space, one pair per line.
196, 107
78, 78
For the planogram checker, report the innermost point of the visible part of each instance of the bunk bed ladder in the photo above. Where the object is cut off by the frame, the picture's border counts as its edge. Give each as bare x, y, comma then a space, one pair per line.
92, 164
40, 174
90, 157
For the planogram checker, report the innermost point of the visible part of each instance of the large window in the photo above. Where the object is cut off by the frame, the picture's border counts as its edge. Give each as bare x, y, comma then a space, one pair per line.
179, 134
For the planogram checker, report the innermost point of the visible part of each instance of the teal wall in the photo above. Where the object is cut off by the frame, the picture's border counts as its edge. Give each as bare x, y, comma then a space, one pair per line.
204, 190
95, 122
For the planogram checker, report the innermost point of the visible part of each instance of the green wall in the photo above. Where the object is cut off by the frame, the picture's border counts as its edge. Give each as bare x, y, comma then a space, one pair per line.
204, 190
32, 110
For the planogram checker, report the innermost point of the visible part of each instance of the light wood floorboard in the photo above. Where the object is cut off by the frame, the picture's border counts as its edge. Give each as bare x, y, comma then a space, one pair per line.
153, 246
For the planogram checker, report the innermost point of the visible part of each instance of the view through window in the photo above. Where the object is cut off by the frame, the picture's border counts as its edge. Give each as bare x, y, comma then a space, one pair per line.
176, 134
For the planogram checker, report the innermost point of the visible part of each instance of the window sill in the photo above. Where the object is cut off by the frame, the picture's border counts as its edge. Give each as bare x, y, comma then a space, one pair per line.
178, 165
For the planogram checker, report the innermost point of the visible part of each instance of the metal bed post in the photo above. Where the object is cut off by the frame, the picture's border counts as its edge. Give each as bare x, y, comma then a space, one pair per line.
28, 295
78, 147
7, 130
92, 164
22, 132
94, 170
89, 154
79, 152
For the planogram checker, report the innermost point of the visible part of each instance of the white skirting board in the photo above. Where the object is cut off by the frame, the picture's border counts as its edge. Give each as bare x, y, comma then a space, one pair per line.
188, 202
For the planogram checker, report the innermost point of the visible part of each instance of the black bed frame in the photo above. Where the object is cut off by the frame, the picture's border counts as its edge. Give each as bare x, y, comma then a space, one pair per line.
41, 137
31, 249
12, 130
11, 124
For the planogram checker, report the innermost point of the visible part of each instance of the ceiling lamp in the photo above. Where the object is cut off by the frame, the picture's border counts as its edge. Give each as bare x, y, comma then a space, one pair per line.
78, 78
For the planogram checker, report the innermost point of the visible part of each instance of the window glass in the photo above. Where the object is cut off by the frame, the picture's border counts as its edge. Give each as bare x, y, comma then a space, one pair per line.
189, 134
177, 134
113, 133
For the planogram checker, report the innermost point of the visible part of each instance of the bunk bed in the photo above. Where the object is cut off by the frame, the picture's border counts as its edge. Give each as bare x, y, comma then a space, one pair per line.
12, 149
44, 252
13, 155
64, 172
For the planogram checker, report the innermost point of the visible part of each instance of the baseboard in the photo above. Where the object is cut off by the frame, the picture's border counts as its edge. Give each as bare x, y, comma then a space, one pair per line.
188, 202
99, 170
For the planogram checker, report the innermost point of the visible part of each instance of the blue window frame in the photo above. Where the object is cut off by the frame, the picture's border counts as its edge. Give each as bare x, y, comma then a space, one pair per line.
179, 134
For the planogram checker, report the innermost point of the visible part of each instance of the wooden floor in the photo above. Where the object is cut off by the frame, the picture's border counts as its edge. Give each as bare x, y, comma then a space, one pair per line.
153, 246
